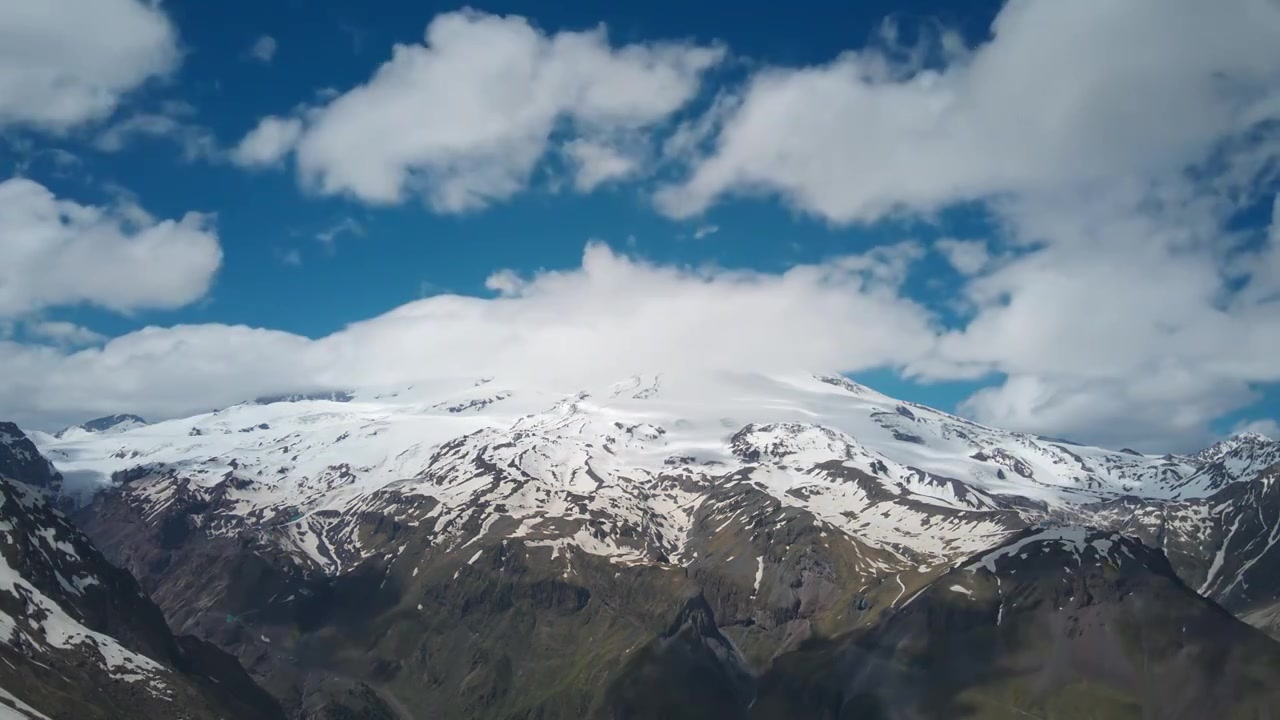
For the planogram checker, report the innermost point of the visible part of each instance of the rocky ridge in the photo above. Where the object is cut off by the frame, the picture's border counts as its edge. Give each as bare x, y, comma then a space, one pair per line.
496, 523
78, 637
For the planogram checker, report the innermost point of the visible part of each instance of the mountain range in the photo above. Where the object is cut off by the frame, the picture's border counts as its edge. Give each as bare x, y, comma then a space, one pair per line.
80, 637
670, 545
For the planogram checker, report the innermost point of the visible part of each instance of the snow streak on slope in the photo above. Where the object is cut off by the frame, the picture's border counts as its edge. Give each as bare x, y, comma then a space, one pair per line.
1225, 462
616, 470
45, 626
39, 546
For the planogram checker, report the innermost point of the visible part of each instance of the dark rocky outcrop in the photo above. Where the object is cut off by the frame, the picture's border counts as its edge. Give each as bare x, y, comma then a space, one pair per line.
81, 639
21, 460
105, 423
692, 671
1054, 624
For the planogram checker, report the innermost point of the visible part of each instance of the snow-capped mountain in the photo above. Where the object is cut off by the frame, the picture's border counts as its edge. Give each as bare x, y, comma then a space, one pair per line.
1066, 622
798, 505
1241, 456
20, 458
1244, 441
77, 636
639, 454
622, 470
109, 424
1225, 545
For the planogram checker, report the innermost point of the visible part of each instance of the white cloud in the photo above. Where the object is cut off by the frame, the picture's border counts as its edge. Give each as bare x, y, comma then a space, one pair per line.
1064, 93
263, 49
58, 252
67, 62
1114, 288
598, 163
346, 226
63, 333
612, 316
63, 159
464, 118
968, 257
1117, 320
196, 142
705, 231
1273, 233
1263, 266
1267, 427
268, 143
1111, 293
116, 137
1163, 410
1121, 309
133, 371
688, 142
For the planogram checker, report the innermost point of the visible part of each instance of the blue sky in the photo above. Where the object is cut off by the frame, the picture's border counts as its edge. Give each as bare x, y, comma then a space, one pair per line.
262, 216
1029, 139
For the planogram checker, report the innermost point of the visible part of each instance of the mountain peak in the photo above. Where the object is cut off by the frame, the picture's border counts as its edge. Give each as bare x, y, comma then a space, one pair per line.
84, 640
1021, 625
1080, 544
764, 496
1248, 439
106, 424
340, 396
1251, 437
20, 460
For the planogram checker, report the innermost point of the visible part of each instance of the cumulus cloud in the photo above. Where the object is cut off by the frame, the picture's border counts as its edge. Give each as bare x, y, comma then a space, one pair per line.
1111, 288
1263, 265
1163, 410
597, 163
1062, 94
59, 252
968, 257
1120, 322
1123, 325
1265, 426
63, 333
263, 49
689, 141
1110, 145
464, 118
67, 62
268, 143
1123, 307
611, 316
195, 141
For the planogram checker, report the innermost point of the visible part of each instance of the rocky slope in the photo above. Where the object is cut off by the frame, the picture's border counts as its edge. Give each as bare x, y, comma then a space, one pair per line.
1226, 545
494, 550
1057, 623
78, 638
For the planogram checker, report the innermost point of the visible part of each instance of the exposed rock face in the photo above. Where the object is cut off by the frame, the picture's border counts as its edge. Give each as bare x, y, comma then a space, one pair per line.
691, 671
483, 629
20, 459
1062, 623
78, 637
332, 396
109, 424
1226, 546
1240, 444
